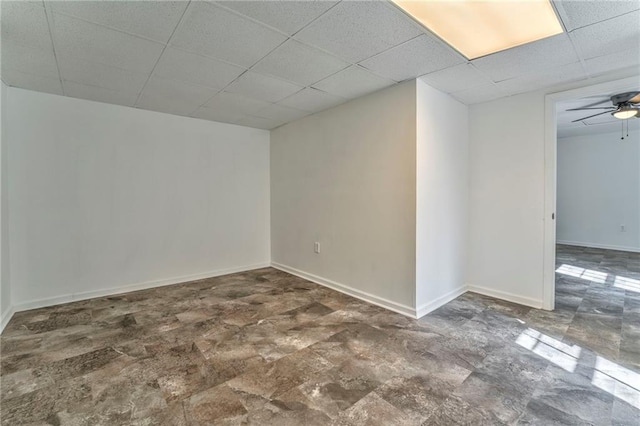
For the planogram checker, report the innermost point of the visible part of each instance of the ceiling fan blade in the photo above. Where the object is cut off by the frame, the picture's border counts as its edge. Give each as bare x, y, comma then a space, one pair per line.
626, 97
594, 115
580, 109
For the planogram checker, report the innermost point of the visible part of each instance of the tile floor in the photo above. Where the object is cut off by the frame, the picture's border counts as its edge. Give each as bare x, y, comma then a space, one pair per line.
264, 347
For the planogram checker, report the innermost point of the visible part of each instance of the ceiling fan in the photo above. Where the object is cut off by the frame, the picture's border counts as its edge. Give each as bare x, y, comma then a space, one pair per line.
625, 105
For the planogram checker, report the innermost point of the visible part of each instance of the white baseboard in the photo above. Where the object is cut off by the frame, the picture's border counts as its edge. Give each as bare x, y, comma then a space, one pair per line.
442, 300
599, 246
509, 297
41, 303
6, 317
342, 288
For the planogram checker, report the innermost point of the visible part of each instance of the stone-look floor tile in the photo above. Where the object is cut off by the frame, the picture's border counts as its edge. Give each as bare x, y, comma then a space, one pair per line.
455, 411
372, 410
599, 332
268, 348
338, 389
218, 405
575, 395
417, 397
503, 399
279, 376
539, 413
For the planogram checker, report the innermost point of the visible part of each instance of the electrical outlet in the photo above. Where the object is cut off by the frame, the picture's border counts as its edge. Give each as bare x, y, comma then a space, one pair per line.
622, 228
316, 247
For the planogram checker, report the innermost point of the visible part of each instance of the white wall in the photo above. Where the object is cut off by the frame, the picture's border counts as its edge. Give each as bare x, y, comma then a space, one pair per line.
599, 190
104, 196
5, 288
507, 198
442, 198
346, 177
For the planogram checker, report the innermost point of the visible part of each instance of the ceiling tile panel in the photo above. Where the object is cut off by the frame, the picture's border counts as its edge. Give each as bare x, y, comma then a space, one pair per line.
356, 30
155, 20
215, 32
580, 13
299, 63
93, 43
180, 65
25, 80
28, 59
99, 75
25, 23
422, 55
179, 90
287, 16
628, 59
236, 104
312, 100
215, 114
353, 82
604, 38
548, 78
262, 87
26, 44
532, 57
457, 78
99, 94
479, 94
281, 113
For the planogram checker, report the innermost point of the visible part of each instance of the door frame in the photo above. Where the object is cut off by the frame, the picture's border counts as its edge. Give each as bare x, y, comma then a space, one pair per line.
550, 174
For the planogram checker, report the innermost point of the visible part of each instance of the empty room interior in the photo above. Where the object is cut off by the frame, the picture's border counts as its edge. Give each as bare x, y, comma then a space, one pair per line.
391, 212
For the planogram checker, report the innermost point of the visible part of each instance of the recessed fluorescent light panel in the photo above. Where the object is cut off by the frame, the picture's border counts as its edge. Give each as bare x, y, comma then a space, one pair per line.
477, 28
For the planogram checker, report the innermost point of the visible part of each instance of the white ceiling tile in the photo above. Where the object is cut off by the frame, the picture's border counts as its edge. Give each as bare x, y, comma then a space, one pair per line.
353, 82
178, 91
299, 63
280, 113
99, 94
99, 75
94, 43
287, 16
169, 106
29, 59
457, 78
218, 33
580, 13
25, 23
262, 87
312, 100
615, 35
179, 65
155, 20
26, 41
236, 104
25, 80
528, 58
259, 122
219, 115
628, 59
414, 58
479, 94
548, 78
357, 30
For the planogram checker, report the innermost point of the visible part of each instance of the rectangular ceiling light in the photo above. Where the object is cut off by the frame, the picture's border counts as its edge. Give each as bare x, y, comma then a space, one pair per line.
477, 28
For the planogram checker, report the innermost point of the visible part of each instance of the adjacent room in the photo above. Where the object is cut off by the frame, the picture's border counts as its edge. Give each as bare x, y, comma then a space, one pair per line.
377, 212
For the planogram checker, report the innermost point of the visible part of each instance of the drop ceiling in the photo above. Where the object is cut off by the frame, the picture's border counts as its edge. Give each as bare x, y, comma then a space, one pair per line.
265, 63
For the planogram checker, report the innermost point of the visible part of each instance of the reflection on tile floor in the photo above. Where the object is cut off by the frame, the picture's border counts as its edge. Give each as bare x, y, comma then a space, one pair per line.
264, 347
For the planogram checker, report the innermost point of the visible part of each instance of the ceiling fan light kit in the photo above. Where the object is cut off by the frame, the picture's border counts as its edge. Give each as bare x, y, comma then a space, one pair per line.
626, 111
